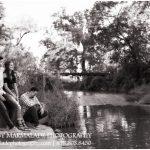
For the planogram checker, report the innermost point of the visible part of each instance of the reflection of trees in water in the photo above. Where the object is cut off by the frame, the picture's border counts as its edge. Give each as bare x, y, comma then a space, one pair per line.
100, 123
84, 113
141, 132
111, 121
82, 127
87, 122
116, 127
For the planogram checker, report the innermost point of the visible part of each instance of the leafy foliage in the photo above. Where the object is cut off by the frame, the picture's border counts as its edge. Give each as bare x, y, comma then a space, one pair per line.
80, 28
123, 37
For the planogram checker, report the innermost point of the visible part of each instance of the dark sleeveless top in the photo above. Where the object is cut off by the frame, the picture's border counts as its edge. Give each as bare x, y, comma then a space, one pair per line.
10, 80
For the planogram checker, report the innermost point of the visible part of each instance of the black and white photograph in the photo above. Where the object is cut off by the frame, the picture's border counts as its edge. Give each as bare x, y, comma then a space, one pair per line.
74, 74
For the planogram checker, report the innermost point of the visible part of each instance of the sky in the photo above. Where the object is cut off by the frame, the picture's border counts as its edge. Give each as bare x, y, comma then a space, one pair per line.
39, 12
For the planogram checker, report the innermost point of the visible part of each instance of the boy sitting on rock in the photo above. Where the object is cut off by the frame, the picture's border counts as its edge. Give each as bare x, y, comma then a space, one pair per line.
32, 109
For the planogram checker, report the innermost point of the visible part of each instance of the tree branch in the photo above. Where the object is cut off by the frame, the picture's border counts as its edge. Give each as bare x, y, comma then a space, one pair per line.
18, 42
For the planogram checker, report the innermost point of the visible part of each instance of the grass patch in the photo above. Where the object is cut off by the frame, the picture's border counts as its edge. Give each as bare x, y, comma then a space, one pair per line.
62, 111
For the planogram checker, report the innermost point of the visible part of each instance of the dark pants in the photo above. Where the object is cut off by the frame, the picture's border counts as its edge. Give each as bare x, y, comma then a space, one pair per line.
5, 114
33, 115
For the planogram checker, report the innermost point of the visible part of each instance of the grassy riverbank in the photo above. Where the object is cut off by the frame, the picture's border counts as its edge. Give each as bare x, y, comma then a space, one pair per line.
139, 93
62, 111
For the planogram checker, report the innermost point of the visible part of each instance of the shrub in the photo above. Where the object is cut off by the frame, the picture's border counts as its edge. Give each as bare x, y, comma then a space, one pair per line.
62, 111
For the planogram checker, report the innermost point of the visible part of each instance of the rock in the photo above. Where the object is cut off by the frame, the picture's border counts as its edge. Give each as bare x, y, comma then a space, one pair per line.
43, 137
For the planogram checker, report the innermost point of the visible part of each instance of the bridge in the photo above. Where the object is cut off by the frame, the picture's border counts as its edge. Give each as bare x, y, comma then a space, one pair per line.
86, 74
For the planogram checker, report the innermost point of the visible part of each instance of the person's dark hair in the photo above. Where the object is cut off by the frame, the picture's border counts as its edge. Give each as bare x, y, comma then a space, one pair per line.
7, 70
34, 89
1, 57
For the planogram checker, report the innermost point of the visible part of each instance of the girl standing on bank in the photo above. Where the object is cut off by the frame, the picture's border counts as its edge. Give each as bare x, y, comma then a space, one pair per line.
10, 87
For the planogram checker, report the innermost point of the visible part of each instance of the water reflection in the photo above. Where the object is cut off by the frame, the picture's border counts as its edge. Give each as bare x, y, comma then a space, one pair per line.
114, 127
84, 111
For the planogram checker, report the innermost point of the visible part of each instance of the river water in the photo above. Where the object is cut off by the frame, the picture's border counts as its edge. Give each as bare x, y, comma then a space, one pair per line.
109, 126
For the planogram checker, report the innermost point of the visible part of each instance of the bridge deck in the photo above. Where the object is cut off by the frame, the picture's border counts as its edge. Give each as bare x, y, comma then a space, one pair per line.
86, 74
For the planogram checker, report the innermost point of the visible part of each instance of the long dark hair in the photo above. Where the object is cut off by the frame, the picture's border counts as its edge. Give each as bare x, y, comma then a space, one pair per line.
9, 74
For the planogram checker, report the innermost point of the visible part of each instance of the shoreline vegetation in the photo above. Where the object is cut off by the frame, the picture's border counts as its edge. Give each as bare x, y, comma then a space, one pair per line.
132, 92
62, 111
104, 84
139, 94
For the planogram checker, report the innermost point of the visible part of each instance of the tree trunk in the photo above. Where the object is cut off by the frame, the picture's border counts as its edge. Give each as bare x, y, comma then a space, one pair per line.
83, 64
83, 59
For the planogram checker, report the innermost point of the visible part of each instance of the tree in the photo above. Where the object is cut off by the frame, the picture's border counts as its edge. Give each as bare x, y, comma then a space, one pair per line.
22, 28
78, 28
24, 61
60, 55
128, 39
74, 25
4, 32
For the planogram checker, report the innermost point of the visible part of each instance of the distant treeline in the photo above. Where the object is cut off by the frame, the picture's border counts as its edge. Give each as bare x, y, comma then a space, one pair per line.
115, 82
